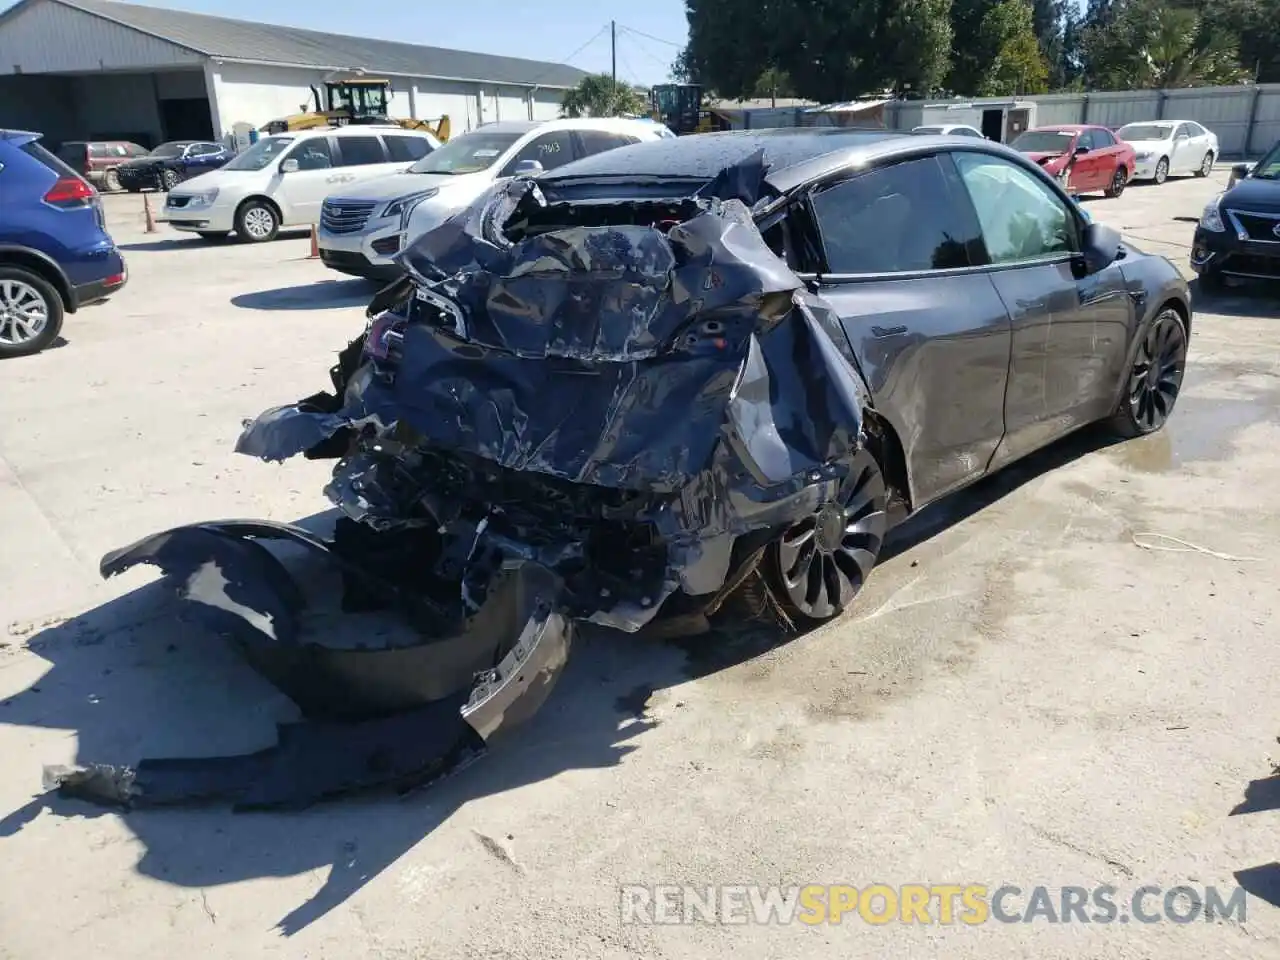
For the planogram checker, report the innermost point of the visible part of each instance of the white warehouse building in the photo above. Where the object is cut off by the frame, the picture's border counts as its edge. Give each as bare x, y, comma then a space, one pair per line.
102, 70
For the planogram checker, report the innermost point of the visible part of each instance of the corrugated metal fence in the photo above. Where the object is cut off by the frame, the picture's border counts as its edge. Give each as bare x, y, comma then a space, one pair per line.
1246, 119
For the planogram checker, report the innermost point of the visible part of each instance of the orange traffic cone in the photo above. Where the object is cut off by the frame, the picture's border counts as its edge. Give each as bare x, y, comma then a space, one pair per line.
146, 209
315, 243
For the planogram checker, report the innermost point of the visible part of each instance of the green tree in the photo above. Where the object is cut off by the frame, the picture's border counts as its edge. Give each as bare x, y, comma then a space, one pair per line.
1019, 65
1150, 44
597, 95
829, 49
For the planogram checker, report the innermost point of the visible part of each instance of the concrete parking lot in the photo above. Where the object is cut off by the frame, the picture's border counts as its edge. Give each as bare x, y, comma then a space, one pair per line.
1033, 690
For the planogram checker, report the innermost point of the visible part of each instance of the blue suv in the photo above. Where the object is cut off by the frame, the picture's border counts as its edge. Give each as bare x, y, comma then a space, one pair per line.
55, 253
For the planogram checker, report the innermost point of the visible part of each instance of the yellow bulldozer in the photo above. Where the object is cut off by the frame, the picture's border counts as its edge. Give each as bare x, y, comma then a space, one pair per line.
354, 100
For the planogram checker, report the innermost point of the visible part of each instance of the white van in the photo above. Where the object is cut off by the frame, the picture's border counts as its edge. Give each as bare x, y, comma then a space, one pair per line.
361, 229
282, 180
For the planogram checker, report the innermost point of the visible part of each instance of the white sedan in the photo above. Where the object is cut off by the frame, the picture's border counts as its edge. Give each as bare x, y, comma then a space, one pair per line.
948, 130
1169, 147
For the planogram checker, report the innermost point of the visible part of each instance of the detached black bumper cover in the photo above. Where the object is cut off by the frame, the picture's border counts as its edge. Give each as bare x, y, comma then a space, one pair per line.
376, 716
566, 412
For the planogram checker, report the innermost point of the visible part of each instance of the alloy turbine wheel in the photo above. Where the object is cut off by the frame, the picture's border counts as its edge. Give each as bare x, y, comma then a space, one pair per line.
824, 559
1162, 170
23, 312
1157, 373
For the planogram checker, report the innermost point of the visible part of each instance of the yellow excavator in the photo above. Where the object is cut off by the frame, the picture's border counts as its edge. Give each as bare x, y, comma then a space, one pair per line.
354, 100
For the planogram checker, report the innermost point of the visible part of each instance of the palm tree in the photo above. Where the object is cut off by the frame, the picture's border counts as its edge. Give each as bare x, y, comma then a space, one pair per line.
597, 95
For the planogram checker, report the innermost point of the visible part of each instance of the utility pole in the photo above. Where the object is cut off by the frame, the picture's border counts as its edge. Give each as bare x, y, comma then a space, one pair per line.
613, 50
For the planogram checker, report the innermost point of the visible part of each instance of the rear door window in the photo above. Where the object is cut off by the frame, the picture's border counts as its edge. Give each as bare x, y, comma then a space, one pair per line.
907, 217
360, 151
1103, 138
598, 141
407, 149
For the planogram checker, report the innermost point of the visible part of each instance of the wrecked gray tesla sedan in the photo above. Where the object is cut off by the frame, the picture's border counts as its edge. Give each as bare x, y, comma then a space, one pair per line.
629, 391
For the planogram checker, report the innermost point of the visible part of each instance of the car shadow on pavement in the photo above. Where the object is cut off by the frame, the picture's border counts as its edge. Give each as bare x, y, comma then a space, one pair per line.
1254, 298
319, 295
180, 242
138, 677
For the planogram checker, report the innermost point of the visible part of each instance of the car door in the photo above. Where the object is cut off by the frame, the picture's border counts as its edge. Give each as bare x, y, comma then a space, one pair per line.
1086, 173
1187, 149
930, 333
1068, 331
552, 149
301, 191
363, 157
1109, 154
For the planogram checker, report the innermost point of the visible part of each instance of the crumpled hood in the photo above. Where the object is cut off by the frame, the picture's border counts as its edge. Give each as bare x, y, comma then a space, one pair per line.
1045, 159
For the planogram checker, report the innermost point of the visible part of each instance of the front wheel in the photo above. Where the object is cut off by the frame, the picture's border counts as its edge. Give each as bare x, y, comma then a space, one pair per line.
30, 312
1206, 165
1155, 377
1162, 170
1119, 180
820, 563
170, 179
257, 222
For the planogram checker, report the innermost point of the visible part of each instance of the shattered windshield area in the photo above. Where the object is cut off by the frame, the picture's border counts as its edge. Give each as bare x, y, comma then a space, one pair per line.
1044, 141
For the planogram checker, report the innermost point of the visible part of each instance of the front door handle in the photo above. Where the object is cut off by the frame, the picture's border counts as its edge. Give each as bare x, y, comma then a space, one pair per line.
888, 331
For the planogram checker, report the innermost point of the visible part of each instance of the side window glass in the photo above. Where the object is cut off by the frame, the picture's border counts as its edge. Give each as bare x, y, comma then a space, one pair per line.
1085, 141
361, 151
97, 150
901, 218
598, 141
1021, 218
313, 154
407, 149
551, 150
1103, 139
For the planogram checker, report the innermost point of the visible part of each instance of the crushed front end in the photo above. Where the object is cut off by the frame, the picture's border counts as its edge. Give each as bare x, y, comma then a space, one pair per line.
567, 412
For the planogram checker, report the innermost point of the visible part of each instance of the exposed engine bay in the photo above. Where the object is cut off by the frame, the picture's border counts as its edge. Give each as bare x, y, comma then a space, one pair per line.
588, 411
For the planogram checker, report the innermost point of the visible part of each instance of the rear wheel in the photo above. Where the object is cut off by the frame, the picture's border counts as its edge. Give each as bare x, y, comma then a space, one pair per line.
111, 180
820, 563
1162, 170
1119, 180
1206, 165
257, 222
30, 312
1155, 377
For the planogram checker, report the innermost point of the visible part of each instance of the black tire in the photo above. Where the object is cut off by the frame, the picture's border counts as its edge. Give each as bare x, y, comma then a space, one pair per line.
213, 237
111, 181
169, 179
1206, 165
1119, 180
1153, 382
21, 293
819, 564
257, 222
1162, 171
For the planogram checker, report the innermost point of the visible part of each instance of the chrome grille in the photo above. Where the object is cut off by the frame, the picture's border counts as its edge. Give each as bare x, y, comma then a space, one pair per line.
345, 216
1256, 226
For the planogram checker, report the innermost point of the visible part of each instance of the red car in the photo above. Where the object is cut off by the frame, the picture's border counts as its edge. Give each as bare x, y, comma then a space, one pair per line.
1086, 159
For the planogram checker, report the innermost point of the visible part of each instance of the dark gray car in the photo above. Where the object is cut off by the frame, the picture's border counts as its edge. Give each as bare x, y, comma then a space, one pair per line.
642, 389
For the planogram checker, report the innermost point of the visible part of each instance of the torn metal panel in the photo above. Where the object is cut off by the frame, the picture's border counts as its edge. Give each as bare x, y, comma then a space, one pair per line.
599, 411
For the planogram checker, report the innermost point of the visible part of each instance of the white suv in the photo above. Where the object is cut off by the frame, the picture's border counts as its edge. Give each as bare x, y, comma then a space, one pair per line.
361, 229
281, 180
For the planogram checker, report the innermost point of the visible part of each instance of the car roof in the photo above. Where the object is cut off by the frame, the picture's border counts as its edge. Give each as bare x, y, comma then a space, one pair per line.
566, 123
704, 155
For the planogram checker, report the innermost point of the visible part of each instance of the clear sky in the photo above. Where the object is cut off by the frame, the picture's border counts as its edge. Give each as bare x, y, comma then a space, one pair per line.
558, 31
